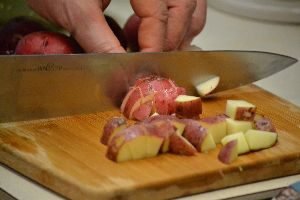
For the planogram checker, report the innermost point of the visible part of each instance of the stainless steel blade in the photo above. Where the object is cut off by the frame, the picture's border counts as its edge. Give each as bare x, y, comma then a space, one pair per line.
34, 87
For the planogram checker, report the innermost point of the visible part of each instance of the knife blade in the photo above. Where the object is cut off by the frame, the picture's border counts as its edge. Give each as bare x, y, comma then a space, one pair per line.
46, 86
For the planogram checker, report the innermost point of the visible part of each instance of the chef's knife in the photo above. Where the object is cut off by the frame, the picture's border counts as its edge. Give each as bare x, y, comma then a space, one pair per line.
46, 86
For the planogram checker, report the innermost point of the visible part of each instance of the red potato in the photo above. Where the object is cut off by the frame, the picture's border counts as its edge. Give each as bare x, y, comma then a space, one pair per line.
170, 127
14, 30
47, 43
142, 108
134, 142
229, 152
264, 124
111, 127
194, 133
176, 123
216, 126
181, 146
163, 90
188, 106
163, 129
240, 110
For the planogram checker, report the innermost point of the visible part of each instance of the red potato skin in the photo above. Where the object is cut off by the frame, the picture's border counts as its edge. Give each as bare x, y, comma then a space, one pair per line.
264, 124
179, 145
164, 91
121, 137
191, 109
132, 132
14, 30
109, 128
214, 119
225, 152
194, 132
47, 43
245, 114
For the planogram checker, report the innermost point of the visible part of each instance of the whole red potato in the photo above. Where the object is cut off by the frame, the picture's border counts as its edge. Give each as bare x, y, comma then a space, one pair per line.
46, 42
14, 30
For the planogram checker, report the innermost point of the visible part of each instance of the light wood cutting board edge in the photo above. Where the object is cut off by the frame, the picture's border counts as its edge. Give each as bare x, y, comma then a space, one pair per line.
284, 166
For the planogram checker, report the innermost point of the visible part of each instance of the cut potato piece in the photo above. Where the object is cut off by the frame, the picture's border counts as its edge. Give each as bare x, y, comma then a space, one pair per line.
111, 128
258, 139
208, 86
208, 143
135, 139
242, 143
153, 145
264, 124
179, 145
229, 152
178, 126
234, 126
188, 106
194, 133
216, 126
240, 110
124, 154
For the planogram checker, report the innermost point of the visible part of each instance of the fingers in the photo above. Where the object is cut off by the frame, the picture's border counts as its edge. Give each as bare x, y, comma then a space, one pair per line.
84, 20
197, 24
95, 35
168, 24
179, 19
153, 24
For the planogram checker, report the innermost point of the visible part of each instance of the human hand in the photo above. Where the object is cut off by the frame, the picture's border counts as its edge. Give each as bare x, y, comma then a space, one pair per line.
83, 19
166, 25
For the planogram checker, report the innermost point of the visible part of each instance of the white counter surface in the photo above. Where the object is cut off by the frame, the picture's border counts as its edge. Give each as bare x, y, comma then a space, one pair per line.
222, 31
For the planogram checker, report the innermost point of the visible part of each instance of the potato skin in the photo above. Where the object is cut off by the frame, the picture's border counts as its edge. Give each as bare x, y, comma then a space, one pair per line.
14, 30
110, 127
179, 145
264, 124
45, 42
194, 132
163, 90
228, 153
245, 114
188, 109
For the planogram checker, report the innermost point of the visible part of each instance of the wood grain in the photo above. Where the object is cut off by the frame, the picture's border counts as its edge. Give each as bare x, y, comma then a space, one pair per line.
65, 155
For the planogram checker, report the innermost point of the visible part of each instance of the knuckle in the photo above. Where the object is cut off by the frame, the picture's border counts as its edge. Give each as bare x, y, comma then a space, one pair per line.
189, 5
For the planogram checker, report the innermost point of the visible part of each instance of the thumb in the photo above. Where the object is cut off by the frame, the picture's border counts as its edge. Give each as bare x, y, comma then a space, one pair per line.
94, 35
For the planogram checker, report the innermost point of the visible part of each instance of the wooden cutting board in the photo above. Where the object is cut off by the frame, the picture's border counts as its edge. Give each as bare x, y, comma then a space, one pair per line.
65, 155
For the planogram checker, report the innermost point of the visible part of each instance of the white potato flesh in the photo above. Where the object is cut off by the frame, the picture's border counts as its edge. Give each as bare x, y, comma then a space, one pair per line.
240, 110
138, 147
234, 126
124, 153
208, 143
218, 130
258, 139
243, 146
208, 86
153, 145
184, 98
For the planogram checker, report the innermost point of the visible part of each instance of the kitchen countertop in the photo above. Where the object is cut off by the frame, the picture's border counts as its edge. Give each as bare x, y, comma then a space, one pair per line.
222, 31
